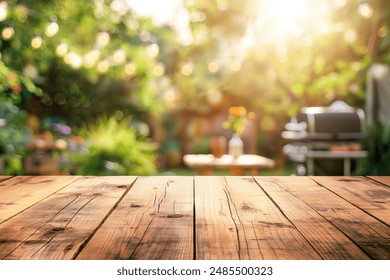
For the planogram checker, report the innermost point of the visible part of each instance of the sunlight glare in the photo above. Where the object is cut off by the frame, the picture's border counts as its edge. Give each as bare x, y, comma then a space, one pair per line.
286, 13
282, 19
167, 12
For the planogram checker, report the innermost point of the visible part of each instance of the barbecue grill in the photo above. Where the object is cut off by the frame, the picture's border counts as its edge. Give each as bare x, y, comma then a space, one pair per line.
325, 140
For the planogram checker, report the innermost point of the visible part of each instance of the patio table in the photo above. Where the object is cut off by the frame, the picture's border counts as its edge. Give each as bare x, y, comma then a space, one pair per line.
194, 217
205, 164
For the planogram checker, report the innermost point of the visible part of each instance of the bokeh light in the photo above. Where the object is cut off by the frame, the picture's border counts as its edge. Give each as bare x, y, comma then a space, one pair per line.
102, 39
338, 4
214, 97
213, 67
52, 29
62, 49
3, 10
235, 66
350, 36
382, 32
77, 61
73, 60
31, 71
119, 56
145, 36
159, 70
103, 66
152, 50
7, 33
170, 95
365, 10
187, 69
130, 68
91, 58
36, 42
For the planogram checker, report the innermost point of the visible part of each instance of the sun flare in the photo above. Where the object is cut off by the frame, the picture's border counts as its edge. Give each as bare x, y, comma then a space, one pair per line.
286, 13
286, 18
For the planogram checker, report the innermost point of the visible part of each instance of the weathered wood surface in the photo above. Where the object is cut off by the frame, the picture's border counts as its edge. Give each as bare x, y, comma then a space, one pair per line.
243, 223
326, 239
4, 177
167, 217
59, 225
369, 233
384, 179
370, 196
153, 221
19, 193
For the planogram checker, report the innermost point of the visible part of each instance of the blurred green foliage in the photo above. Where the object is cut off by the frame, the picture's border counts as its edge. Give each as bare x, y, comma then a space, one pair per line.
269, 77
274, 78
14, 135
378, 146
114, 148
81, 93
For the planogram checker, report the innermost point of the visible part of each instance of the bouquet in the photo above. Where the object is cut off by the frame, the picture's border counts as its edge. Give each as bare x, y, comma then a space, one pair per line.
237, 120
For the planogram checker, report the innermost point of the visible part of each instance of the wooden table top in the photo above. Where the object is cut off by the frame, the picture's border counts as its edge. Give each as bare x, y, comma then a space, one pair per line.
200, 217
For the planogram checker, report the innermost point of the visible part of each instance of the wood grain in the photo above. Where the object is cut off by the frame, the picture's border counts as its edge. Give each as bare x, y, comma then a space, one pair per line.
253, 226
19, 193
154, 221
216, 234
382, 179
367, 232
370, 196
4, 177
58, 226
205, 218
324, 237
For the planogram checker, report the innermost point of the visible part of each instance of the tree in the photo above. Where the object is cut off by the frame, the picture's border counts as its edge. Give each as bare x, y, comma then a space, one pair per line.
88, 58
272, 57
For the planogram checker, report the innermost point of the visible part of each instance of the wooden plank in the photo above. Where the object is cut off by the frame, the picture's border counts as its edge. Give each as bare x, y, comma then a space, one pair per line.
372, 197
4, 177
58, 226
370, 234
325, 238
236, 220
382, 179
266, 229
154, 221
215, 227
19, 193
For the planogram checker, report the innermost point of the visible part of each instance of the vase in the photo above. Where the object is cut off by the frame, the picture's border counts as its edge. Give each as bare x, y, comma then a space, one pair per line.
236, 146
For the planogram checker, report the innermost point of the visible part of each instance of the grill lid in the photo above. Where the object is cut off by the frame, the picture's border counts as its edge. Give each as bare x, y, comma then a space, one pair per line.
336, 122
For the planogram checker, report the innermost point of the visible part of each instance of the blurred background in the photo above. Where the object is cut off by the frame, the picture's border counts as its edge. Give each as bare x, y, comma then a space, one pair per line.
116, 87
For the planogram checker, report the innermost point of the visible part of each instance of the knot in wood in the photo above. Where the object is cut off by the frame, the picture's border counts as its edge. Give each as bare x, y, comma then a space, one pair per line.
174, 216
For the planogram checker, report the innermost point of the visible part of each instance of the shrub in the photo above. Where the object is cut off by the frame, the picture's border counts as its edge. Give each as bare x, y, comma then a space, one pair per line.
114, 148
14, 137
378, 146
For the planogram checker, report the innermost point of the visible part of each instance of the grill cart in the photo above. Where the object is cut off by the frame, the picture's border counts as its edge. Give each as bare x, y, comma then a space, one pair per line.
326, 140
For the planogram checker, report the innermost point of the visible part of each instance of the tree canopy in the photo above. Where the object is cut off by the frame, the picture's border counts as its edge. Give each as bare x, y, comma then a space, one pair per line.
93, 58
